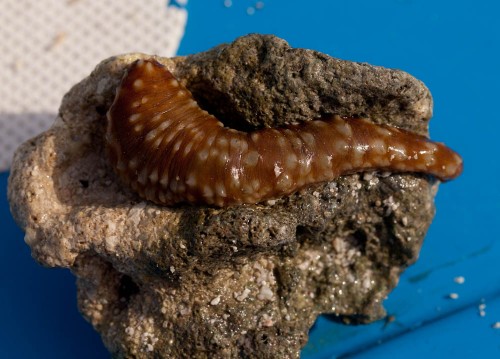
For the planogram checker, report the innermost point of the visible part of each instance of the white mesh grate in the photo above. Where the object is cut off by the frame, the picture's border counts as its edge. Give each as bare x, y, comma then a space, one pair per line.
49, 45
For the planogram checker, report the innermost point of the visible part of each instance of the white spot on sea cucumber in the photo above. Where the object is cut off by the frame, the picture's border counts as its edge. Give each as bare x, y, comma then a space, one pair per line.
214, 152
156, 118
138, 84
157, 142
154, 176
343, 128
133, 163
191, 180
295, 140
305, 166
177, 146
164, 125
151, 135
459, 280
319, 123
284, 182
133, 118
174, 131
210, 140
188, 147
149, 67
281, 141
453, 296
431, 147
255, 183
203, 154
192, 104
164, 179
308, 138
243, 146
340, 146
222, 141
251, 158
235, 143
207, 191
138, 127
291, 161
357, 155
378, 146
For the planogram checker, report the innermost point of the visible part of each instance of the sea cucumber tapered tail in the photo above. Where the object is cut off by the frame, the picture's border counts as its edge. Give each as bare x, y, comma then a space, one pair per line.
169, 150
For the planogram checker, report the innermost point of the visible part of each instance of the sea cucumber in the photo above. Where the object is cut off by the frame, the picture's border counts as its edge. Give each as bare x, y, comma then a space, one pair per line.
169, 150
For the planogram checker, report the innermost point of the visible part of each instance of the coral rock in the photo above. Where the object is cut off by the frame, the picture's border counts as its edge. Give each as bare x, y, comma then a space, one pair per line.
243, 281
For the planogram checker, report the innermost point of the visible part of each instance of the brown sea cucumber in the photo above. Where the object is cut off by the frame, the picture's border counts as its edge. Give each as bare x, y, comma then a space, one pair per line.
170, 151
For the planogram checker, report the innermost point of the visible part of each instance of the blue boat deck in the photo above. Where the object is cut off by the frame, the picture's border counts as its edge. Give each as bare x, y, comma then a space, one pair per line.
453, 47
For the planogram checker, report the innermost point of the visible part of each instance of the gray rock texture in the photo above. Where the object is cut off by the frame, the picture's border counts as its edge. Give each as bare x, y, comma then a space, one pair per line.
245, 281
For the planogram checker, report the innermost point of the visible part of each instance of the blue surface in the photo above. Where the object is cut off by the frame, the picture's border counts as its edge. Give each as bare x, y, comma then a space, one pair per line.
453, 47
39, 317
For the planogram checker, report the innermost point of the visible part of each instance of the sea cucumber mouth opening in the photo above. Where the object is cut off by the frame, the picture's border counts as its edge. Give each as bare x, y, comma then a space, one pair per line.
169, 150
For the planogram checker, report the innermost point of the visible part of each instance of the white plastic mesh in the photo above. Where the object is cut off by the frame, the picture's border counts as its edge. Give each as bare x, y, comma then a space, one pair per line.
46, 46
